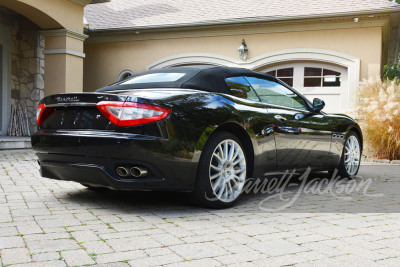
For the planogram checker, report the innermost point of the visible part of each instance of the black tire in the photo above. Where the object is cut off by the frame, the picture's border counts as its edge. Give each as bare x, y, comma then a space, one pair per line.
95, 188
204, 194
342, 171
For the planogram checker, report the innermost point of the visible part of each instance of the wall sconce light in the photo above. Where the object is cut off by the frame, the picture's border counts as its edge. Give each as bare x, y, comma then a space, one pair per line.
243, 51
355, 19
85, 23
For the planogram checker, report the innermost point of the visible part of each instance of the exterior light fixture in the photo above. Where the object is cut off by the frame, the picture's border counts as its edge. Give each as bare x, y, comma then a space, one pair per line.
355, 19
85, 23
243, 51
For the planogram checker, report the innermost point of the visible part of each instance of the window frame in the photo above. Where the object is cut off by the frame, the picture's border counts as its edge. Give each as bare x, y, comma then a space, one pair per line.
307, 102
283, 77
322, 76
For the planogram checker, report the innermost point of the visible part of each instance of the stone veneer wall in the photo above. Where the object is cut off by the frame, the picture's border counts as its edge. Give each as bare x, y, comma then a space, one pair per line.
27, 72
27, 63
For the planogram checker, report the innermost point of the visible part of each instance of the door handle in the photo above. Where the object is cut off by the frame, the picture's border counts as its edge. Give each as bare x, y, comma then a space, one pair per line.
279, 118
287, 129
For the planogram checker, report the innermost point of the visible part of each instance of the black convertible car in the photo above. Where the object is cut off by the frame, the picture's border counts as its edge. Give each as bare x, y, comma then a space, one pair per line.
199, 129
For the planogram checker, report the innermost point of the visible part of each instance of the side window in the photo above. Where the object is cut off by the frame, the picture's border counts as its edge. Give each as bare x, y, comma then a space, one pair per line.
240, 87
276, 94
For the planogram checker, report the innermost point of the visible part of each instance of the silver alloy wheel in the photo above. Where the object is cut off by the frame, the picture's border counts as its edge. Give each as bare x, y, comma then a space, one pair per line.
352, 155
227, 170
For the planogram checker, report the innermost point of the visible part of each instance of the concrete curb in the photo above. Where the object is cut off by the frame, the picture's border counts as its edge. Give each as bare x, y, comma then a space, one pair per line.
381, 161
12, 142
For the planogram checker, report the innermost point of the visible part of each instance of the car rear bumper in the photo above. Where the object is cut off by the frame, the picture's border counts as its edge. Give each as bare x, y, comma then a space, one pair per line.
92, 159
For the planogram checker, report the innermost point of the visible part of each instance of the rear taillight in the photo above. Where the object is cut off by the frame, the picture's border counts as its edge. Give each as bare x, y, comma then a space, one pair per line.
42, 113
125, 114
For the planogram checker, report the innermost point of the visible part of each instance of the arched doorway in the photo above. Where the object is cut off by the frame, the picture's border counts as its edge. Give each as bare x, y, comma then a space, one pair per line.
36, 38
22, 73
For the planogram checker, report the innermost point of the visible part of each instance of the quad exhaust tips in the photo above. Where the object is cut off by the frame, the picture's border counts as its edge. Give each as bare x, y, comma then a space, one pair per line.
136, 172
122, 171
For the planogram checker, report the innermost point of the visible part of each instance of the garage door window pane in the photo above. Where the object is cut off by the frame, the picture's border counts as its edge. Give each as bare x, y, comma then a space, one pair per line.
272, 72
312, 82
285, 75
318, 77
288, 72
331, 81
312, 72
331, 72
288, 81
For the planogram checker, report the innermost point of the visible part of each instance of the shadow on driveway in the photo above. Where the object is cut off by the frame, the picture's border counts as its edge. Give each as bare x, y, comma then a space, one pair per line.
374, 190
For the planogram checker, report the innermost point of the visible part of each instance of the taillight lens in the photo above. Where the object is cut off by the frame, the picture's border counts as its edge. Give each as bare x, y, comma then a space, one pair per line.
42, 113
125, 114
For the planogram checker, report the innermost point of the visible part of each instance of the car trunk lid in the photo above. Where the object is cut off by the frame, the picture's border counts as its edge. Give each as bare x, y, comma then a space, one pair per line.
77, 111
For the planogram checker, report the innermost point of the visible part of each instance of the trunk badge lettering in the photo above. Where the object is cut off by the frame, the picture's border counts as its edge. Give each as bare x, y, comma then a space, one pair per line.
67, 99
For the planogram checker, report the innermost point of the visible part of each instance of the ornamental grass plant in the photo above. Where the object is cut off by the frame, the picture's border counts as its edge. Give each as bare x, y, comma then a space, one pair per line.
378, 112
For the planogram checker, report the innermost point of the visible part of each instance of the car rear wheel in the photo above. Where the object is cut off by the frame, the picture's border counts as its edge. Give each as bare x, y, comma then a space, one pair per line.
351, 157
221, 173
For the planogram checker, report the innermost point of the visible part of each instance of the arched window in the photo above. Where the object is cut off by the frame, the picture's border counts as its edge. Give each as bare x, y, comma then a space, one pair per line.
316, 79
312, 76
124, 74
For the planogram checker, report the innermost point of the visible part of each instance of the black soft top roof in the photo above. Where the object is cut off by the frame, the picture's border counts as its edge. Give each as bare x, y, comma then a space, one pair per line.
202, 77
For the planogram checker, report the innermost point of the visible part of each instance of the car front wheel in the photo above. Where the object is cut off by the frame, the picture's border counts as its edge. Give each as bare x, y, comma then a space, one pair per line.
222, 172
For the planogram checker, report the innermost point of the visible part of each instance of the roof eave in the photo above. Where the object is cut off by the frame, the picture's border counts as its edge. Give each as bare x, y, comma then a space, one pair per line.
87, 2
99, 1
251, 20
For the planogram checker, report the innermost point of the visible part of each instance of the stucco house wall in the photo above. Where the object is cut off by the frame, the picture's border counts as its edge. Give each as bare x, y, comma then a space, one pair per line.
312, 44
104, 60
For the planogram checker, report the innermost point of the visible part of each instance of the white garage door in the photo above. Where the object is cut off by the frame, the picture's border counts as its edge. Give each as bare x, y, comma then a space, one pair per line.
325, 81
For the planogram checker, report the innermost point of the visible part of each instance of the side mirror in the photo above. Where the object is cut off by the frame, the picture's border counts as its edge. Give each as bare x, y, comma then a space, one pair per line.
318, 104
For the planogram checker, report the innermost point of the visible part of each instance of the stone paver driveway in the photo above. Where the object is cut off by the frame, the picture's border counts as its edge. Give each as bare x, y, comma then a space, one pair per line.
56, 223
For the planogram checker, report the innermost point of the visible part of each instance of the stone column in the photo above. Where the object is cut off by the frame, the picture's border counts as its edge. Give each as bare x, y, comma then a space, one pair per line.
63, 61
27, 72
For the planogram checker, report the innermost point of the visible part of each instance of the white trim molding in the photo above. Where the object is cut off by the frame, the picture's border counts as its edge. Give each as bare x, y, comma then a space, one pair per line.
64, 32
192, 59
273, 58
64, 51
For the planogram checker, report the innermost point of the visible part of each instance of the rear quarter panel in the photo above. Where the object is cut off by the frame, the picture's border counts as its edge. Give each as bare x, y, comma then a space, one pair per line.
194, 119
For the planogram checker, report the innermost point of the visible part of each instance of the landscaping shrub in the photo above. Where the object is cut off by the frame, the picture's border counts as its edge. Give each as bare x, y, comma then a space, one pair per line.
378, 112
391, 71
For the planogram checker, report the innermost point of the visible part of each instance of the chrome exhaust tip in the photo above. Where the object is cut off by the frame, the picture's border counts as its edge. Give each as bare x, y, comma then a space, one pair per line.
122, 171
138, 172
